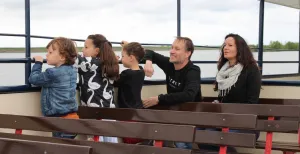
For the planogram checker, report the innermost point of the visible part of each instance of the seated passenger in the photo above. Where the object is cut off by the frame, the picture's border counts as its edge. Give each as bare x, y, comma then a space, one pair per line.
238, 79
182, 77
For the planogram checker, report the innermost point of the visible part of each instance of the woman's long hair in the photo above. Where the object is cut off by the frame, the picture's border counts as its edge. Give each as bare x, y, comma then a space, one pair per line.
244, 54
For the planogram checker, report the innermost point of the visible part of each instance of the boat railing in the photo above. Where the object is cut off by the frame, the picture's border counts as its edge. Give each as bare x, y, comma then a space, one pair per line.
28, 60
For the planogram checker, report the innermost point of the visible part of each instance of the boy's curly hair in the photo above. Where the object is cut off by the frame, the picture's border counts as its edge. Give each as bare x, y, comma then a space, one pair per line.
66, 48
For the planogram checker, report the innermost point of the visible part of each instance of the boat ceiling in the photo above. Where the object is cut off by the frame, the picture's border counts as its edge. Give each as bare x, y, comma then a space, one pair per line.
288, 3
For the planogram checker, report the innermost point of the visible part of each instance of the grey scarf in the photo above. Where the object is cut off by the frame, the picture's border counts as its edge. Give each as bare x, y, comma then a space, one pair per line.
227, 77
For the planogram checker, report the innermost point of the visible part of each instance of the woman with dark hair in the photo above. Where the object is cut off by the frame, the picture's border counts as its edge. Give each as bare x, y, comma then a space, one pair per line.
238, 79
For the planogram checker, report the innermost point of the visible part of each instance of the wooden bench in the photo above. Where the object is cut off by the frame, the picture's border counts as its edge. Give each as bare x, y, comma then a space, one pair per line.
101, 128
220, 120
288, 116
100, 147
17, 146
277, 101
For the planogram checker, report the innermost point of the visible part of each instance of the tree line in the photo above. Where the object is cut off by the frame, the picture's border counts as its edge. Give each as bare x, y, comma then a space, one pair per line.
280, 46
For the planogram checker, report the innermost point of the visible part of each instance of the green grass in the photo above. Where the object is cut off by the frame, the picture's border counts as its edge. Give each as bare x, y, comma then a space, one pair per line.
43, 49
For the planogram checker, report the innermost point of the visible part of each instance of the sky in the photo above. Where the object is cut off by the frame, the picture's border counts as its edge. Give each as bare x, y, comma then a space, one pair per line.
206, 22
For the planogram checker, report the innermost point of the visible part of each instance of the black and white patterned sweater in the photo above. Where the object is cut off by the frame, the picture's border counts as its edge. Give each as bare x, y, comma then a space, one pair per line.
95, 89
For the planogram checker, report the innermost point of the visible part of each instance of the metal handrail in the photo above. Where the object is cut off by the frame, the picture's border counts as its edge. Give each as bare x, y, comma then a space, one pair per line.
27, 88
145, 44
25, 60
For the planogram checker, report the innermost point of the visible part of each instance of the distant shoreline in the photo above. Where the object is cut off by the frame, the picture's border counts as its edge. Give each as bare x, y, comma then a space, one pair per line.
43, 49
79, 49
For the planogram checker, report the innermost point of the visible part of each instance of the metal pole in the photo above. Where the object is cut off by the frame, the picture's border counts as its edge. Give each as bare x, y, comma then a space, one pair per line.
261, 34
299, 47
27, 41
178, 18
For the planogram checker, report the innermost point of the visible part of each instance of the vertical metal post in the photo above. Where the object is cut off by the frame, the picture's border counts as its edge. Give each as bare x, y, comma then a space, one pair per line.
261, 34
27, 41
178, 18
299, 46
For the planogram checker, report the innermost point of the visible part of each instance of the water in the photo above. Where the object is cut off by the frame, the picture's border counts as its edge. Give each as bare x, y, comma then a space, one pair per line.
13, 74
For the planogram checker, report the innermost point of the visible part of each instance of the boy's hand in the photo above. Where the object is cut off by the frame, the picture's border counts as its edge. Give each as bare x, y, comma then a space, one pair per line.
148, 68
38, 58
124, 43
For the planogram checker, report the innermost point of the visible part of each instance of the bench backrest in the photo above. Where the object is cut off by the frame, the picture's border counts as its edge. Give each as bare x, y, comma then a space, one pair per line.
184, 118
17, 146
196, 108
266, 110
278, 101
101, 128
257, 109
154, 131
101, 147
247, 121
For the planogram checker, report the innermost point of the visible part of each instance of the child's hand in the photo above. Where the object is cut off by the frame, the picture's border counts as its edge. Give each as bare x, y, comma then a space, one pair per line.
124, 43
38, 58
118, 57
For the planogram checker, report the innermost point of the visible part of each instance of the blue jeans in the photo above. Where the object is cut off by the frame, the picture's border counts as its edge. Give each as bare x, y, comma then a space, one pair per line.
183, 145
63, 135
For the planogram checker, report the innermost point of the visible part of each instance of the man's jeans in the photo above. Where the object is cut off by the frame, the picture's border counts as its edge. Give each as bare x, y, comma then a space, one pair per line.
63, 135
183, 145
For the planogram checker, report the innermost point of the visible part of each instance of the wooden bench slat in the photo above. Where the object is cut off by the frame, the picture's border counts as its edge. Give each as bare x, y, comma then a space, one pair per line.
278, 101
220, 138
279, 147
213, 152
278, 126
257, 109
103, 147
172, 117
281, 143
16, 146
98, 127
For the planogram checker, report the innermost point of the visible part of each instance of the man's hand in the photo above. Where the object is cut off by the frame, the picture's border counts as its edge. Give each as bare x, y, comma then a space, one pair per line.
38, 58
124, 43
148, 68
150, 102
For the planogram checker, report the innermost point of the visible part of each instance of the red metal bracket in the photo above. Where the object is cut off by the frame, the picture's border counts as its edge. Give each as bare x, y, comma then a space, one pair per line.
223, 149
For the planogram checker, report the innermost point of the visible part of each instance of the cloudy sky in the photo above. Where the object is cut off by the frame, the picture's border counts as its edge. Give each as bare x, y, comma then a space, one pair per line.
147, 21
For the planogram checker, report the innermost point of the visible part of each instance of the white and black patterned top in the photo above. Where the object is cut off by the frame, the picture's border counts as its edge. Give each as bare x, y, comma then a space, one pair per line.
95, 89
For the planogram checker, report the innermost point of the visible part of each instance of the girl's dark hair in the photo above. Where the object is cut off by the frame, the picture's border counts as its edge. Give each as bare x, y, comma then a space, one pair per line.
109, 62
135, 49
244, 54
